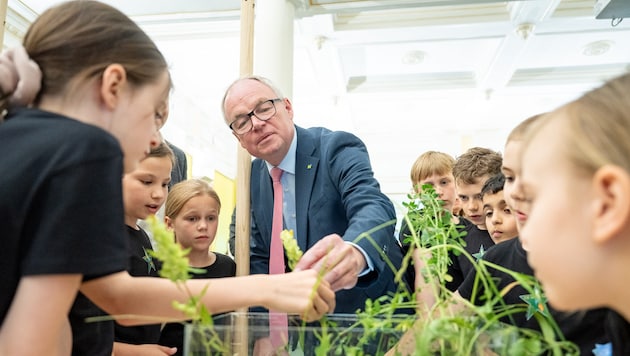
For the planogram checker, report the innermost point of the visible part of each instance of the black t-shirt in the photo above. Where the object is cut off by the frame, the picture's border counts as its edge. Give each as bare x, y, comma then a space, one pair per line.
584, 328
61, 205
475, 240
141, 264
90, 338
619, 330
173, 333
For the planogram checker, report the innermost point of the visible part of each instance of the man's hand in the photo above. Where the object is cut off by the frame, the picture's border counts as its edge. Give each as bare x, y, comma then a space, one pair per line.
340, 262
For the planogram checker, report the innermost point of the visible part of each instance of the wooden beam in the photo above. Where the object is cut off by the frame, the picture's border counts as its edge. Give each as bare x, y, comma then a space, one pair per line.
243, 177
3, 16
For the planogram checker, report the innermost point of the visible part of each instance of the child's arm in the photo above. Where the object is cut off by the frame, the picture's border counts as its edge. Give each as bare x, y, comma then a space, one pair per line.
426, 292
426, 299
304, 293
122, 349
37, 321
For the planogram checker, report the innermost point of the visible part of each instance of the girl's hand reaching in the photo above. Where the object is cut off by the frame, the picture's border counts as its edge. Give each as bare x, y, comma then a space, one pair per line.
305, 293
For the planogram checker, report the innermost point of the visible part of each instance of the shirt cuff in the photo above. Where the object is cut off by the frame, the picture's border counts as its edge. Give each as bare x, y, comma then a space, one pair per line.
370, 266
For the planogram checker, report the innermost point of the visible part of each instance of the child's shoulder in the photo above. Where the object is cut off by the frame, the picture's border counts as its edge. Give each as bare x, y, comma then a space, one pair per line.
222, 258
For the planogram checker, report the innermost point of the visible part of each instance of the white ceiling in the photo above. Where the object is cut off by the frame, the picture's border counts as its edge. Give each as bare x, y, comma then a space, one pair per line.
405, 76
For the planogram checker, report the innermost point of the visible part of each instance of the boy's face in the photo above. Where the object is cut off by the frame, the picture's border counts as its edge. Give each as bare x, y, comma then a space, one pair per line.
472, 206
444, 185
145, 188
500, 222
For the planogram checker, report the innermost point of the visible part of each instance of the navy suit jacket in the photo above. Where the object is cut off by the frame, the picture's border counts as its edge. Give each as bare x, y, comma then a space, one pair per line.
336, 192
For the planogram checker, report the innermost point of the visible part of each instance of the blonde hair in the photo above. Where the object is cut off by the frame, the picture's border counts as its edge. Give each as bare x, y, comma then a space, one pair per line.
185, 190
430, 163
519, 132
597, 129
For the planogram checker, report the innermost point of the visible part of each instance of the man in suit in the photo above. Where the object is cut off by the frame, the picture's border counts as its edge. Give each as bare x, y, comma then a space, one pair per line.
332, 201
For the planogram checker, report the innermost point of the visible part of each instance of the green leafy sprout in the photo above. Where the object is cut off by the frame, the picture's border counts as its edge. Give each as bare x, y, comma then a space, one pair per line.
291, 248
475, 331
176, 267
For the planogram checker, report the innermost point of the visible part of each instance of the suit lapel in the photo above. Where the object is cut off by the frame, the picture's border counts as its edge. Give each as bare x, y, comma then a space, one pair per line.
265, 197
306, 166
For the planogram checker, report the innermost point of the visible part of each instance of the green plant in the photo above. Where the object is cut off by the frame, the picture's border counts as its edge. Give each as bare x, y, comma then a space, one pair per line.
477, 327
373, 328
475, 330
291, 248
176, 267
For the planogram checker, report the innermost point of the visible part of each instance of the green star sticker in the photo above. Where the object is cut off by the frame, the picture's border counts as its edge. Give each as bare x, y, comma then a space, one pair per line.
536, 303
479, 255
149, 261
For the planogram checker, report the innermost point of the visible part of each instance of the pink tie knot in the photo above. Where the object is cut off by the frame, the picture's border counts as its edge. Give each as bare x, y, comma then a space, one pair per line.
276, 173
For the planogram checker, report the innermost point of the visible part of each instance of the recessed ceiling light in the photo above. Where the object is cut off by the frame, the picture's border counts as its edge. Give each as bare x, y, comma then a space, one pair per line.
413, 57
597, 48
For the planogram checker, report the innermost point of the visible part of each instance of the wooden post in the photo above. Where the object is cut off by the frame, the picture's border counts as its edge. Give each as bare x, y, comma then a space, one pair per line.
243, 169
3, 16
243, 177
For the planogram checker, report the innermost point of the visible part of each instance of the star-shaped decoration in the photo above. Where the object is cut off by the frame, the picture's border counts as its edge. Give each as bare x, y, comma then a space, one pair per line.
603, 349
309, 166
147, 258
479, 255
536, 303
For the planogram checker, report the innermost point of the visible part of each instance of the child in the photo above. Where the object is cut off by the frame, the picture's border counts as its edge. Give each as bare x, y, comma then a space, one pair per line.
576, 178
500, 222
585, 328
144, 192
511, 171
436, 169
62, 162
192, 212
471, 170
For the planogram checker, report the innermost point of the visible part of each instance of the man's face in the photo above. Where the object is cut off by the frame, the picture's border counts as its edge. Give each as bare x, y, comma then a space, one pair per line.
269, 140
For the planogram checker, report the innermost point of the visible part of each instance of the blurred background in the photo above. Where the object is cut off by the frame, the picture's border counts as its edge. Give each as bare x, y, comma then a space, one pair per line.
404, 76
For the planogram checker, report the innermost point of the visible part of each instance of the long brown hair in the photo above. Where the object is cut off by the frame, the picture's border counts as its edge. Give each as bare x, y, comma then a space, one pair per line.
75, 41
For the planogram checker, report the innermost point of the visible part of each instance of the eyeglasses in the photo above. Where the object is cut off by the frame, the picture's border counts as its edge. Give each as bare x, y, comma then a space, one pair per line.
263, 112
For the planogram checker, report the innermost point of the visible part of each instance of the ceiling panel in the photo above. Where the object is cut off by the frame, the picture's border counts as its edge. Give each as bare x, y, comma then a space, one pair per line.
404, 75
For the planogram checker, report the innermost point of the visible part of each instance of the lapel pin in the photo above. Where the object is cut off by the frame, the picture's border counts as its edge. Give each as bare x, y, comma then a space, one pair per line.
309, 166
